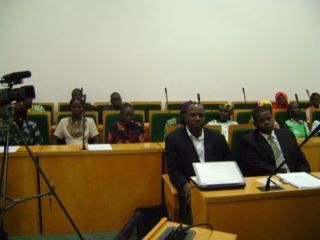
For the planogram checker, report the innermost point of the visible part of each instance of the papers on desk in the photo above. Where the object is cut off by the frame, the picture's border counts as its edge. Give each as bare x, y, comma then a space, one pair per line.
99, 147
12, 149
300, 179
218, 175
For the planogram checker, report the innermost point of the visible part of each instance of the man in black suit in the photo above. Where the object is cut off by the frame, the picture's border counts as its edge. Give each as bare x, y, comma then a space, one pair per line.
265, 148
192, 143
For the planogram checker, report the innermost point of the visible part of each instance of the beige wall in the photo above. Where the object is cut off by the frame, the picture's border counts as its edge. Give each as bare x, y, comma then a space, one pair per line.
138, 47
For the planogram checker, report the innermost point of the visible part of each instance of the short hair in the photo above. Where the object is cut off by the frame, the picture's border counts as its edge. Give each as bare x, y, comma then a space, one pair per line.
76, 92
75, 99
125, 105
314, 96
259, 109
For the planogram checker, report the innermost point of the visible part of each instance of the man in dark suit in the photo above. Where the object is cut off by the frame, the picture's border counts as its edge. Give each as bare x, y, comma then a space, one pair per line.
192, 143
265, 148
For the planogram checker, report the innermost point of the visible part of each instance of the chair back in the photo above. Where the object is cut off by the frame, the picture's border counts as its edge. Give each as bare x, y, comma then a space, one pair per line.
100, 108
242, 116
235, 134
170, 129
63, 107
315, 115
175, 105
281, 116
157, 120
111, 116
210, 115
146, 107
212, 105
49, 107
43, 120
215, 128
90, 114
304, 104
243, 104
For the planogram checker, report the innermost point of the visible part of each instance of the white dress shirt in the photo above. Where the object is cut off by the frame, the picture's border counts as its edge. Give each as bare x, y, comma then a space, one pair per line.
198, 144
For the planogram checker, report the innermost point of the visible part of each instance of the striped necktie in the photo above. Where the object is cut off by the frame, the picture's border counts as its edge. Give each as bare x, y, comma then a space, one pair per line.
276, 152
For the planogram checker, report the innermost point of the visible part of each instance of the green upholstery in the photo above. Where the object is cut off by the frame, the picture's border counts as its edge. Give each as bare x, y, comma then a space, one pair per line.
174, 106
100, 109
211, 106
113, 117
64, 107
49, 107
244, 117
210, 115
244, 105
281, 116
236, 140
43, 121
157, 123
304, 105
146, 108
316, 115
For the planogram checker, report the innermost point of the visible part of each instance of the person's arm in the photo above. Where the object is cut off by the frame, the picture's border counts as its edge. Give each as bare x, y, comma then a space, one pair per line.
93, 131
58, 136
175, 169
37, 137
58, 141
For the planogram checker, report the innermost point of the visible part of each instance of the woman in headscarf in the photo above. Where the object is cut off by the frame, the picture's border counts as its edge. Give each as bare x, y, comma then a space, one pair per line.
281, 101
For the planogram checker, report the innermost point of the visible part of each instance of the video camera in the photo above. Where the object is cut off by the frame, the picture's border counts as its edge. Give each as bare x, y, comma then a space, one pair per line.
9, 94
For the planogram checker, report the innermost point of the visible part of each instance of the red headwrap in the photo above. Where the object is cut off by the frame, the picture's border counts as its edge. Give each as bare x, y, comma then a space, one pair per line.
277, 105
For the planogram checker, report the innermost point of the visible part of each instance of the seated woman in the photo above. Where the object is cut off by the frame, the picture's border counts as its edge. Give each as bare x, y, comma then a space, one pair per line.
126, 130
70, 129
224, 121
295, 123
314, 104
281, 101
177, 121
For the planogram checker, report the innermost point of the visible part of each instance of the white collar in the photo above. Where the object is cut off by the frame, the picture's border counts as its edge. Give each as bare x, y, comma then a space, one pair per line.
191, 136
266, 136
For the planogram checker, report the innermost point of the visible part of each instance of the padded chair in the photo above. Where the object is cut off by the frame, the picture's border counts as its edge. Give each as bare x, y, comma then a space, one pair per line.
111, 116
43, 120
49, 107
280, 116
212, 105
210, 115
242, 116
100, 108
235, 134
63, 107
158, 121
316, 115
93, 114
215, 128
172, 128
171, 199
304, 104
243, 104
175, 105
146, 107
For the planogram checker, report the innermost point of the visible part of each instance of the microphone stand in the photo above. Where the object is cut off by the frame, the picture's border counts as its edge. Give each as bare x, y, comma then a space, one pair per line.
83, 122
165, 91
198, 96
267, 187
298, 103
314, 132
308, 93
244, 95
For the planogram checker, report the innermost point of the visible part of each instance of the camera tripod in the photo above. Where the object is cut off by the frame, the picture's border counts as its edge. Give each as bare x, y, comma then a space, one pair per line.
7, 202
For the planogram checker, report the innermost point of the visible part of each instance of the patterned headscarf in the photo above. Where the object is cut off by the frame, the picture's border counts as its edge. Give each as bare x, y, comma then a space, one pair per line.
277, 105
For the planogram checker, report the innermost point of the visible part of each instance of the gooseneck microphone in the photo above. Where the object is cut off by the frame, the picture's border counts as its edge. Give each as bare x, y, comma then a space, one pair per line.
198, 96
83, 121
267, 187
314, 132
304, 127
308, 93
244, 95
165, 91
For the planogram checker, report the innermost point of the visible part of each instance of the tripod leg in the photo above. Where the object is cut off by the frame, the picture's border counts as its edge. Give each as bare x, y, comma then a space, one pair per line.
50, 186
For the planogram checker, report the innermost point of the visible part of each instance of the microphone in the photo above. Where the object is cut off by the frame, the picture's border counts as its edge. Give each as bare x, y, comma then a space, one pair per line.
83, 120
297, 100
165, 90
298, 103
267, 187
314, 132
244, 95
308, 93
15, 77
198, 96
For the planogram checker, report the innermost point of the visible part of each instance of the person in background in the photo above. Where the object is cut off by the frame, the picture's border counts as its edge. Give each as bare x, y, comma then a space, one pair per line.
77, 94
314, 104
28, 128
268, 104
265, 148
126, 130
70, 129
33, 107
295, 123
177, 121
225, 112
116, 102
281, 101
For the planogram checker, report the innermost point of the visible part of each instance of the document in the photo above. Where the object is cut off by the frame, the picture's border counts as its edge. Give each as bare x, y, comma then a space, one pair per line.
12, 149
218, 175
300, 179
99, 147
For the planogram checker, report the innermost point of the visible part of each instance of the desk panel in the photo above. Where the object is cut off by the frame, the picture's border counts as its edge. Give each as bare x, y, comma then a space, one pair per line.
100, 189
251, 214
312, 152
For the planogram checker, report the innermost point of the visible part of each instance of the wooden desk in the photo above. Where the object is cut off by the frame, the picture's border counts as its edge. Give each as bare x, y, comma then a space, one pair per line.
100, 189
312, 152
201, 233
251, 214
22, 219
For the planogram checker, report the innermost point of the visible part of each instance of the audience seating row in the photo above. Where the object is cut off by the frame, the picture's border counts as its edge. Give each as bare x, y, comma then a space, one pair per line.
147, 106
157, 122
